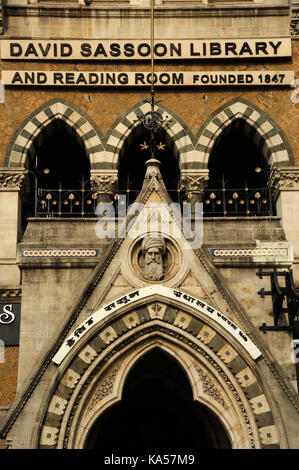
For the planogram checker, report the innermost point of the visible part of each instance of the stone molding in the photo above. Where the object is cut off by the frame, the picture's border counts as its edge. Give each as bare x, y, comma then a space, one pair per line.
11, 179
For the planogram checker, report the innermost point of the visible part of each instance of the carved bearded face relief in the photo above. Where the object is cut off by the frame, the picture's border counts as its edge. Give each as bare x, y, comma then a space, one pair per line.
153, 250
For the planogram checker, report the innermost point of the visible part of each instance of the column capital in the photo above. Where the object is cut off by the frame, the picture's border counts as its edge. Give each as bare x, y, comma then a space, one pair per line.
103, 181
194, 180
11, 179
284, 179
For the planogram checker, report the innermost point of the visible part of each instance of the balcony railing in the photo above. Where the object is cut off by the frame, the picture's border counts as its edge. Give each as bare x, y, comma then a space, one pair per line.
66, 203
246, 202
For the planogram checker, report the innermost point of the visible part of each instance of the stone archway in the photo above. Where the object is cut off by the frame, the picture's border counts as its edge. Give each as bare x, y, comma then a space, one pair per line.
223, 376
264, 131
157, 410
39, 124
178, 136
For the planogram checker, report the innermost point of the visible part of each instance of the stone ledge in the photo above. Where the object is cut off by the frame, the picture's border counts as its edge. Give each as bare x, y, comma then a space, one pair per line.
202, 10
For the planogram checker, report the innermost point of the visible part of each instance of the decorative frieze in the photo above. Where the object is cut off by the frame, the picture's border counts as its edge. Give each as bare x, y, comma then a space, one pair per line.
10, 294
264, 252
60, 253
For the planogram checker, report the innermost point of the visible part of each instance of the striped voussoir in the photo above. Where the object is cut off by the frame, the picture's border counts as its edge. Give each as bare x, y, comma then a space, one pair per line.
127, 127
43, 122
249, 120
186, 322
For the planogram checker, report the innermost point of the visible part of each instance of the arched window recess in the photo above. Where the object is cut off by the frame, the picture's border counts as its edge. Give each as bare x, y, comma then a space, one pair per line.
58, 172
141, 145
238, 175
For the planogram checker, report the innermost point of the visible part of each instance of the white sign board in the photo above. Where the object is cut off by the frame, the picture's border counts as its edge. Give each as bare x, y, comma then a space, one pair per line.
142, 79
171, 294
170, 49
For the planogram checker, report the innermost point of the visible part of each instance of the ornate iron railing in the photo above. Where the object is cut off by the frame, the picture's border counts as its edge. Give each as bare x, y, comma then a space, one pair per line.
246, 202
66, 203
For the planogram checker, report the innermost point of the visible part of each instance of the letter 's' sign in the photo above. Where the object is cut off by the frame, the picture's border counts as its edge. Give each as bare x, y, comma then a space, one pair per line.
10, 313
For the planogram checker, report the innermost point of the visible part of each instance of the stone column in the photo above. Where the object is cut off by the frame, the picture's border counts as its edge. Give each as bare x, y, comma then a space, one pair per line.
10, 223
285, 189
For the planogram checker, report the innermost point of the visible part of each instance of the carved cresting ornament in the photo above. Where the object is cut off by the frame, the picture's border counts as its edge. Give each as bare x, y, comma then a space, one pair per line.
11, 180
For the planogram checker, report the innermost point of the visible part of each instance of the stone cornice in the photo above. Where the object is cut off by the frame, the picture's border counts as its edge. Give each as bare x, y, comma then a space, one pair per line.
165, 11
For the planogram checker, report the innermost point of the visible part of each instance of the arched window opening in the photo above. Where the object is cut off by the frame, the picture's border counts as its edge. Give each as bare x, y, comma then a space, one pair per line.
157, 411
59, 175
135, 152
238, 174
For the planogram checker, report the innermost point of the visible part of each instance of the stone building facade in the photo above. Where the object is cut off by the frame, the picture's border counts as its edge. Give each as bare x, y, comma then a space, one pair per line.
108, 346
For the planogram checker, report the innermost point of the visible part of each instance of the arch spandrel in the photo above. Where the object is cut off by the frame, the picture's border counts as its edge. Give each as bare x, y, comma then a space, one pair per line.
227, 366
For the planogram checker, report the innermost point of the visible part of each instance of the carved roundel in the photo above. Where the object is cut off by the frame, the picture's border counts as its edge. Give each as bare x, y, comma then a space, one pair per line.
155, 259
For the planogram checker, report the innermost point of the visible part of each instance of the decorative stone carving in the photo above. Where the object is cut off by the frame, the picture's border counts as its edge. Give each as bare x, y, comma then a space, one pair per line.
294, 25
194, 182
284, 179
153, 250
294, 28
103, 183
10, 293
208, 387
11, 180
104, 389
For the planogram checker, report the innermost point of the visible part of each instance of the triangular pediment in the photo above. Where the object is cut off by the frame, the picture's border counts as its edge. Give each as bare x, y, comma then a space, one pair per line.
121, 271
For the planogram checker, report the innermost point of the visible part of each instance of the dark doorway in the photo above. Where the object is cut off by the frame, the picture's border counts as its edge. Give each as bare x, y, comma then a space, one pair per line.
157, 411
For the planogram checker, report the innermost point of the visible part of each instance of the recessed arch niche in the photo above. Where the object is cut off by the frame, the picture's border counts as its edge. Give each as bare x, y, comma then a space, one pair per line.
157, 410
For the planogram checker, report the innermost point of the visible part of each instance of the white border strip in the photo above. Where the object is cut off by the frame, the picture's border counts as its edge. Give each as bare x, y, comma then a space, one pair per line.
169, 293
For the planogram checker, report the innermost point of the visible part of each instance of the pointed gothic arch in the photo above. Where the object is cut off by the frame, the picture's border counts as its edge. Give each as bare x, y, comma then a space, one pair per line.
264, 131
40, 123
178, 136
90, 379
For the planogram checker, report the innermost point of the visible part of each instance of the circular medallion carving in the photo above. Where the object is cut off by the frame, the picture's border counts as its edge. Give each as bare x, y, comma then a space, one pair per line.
155, 259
